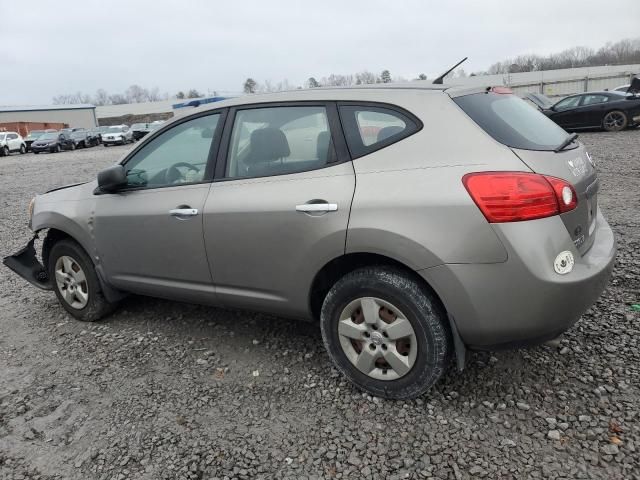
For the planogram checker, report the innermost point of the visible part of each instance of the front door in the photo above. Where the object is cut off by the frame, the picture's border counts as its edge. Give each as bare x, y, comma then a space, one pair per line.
149, 235
279, 208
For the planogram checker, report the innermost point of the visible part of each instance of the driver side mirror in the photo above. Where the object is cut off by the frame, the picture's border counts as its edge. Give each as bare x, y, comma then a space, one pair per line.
112, 178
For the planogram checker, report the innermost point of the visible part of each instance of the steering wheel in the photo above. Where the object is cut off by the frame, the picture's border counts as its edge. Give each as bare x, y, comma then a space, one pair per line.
172, 174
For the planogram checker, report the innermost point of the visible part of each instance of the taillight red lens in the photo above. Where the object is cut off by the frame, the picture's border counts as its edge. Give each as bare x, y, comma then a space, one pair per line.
519, 196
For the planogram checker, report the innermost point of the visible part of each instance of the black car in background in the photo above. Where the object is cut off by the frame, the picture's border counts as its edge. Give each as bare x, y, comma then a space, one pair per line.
611, 111
33, 135
51, 142
83, 138
139, 130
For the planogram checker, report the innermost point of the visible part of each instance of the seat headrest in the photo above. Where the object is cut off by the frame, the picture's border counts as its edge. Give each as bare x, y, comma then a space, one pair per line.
268, 144
322, 146
387, 132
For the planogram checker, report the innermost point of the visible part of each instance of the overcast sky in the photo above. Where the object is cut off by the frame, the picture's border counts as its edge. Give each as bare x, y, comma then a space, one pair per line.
54, 47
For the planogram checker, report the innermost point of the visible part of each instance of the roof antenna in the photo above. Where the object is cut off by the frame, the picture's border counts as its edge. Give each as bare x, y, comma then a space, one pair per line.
438, 81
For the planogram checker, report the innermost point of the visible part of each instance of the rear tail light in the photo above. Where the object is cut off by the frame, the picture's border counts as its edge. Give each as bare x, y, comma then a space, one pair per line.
519, 196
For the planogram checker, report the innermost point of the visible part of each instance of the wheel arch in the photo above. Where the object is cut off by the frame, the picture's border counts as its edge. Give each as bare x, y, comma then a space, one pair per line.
335, 269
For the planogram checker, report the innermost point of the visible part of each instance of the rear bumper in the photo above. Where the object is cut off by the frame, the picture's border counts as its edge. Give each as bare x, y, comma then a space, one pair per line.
523, 301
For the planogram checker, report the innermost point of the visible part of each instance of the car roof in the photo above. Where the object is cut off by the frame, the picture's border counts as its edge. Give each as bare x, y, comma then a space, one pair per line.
325, 94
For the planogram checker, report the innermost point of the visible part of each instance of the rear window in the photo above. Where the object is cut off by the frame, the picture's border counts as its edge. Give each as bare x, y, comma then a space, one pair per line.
512, 122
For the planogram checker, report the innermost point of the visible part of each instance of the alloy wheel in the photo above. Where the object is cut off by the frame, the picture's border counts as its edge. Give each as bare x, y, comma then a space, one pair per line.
377, 338
614, 121
71, 282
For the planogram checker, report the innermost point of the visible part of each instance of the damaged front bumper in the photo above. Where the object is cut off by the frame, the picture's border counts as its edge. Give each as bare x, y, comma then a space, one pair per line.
25, 263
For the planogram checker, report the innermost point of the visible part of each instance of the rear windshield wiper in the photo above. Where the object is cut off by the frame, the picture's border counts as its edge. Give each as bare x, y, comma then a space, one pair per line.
567, 141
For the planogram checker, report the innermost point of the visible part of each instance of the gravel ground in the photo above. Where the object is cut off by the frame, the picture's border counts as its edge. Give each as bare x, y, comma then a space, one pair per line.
164, 390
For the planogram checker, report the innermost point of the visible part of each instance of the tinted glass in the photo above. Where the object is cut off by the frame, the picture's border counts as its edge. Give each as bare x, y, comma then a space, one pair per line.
178, 156
278, 141
567, 103
368, 128
594, 99
512, 122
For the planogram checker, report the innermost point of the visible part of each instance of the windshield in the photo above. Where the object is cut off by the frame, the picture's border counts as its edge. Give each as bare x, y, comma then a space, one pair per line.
137, 126
2, 135
49, 136
510, 121
35, 133
114, 129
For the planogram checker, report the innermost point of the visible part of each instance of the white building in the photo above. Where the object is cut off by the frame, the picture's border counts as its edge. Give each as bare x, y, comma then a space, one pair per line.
82, 115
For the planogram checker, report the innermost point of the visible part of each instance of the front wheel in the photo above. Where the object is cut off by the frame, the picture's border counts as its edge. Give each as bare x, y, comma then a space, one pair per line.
615, 121
75, 282
386, 332
5, 152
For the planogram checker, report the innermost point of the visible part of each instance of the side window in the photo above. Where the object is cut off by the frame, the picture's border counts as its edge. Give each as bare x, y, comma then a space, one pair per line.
178, 156
278, 141
594, 99
369, 128
567, 103
12, 136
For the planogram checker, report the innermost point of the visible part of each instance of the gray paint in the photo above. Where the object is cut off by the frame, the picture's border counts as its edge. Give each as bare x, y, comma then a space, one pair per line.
250, 248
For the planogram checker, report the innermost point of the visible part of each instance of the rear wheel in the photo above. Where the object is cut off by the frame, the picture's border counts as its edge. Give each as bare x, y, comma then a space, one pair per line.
75, 282
386, 332
57, 149
23, 149
615, 121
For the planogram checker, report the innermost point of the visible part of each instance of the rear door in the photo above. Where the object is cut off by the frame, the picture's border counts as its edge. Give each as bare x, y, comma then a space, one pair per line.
279, 208
594, 106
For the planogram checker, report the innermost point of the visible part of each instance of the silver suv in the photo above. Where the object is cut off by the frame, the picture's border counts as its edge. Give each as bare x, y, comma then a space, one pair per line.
412, 223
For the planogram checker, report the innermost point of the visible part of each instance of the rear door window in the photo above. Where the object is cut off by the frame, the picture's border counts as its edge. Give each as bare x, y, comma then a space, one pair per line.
510, 121
594, 99
369, 128
279, 140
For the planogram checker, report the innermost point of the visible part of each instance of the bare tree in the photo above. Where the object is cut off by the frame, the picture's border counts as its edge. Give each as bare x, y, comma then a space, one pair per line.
180, 95
101, 97
365, 78
117, 99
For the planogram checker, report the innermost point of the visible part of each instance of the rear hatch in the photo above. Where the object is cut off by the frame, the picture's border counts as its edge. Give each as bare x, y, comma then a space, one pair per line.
533, 138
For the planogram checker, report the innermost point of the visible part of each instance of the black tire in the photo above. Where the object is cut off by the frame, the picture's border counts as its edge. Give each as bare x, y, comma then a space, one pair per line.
73, 146
5, 152
105, 145
36, 152
23, 149
420, 307
57, 149
97, 306
615, 121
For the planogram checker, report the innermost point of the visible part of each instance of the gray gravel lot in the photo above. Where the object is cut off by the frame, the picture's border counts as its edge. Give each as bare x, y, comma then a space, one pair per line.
164, 390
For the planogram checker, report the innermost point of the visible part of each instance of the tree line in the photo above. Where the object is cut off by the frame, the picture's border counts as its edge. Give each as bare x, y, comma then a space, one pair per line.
334, 80
133, 94
623, 52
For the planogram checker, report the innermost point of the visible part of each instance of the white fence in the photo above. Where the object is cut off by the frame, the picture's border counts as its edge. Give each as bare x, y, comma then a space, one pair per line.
557, 83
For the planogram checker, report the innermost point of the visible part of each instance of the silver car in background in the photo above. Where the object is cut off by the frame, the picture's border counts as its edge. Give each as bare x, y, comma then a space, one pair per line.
413, 223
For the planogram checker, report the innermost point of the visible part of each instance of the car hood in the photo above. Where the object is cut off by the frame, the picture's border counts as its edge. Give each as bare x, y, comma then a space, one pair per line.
73, 192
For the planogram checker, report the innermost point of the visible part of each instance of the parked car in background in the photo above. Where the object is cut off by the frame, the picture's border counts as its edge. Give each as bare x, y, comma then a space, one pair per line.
95, 135
610, 111
11, 142
146, 129
412, 223
83, 138
47, 142
34, 135
139, 130
117, 135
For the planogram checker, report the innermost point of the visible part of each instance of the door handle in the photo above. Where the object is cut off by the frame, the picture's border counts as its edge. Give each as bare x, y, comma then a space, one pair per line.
183, 212
317, 207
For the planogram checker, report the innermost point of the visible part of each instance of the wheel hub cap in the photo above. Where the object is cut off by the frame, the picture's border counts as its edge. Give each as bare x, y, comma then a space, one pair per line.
377, 338
71, 282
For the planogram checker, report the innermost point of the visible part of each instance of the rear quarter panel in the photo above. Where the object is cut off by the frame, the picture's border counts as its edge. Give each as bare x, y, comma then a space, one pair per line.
410, 203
